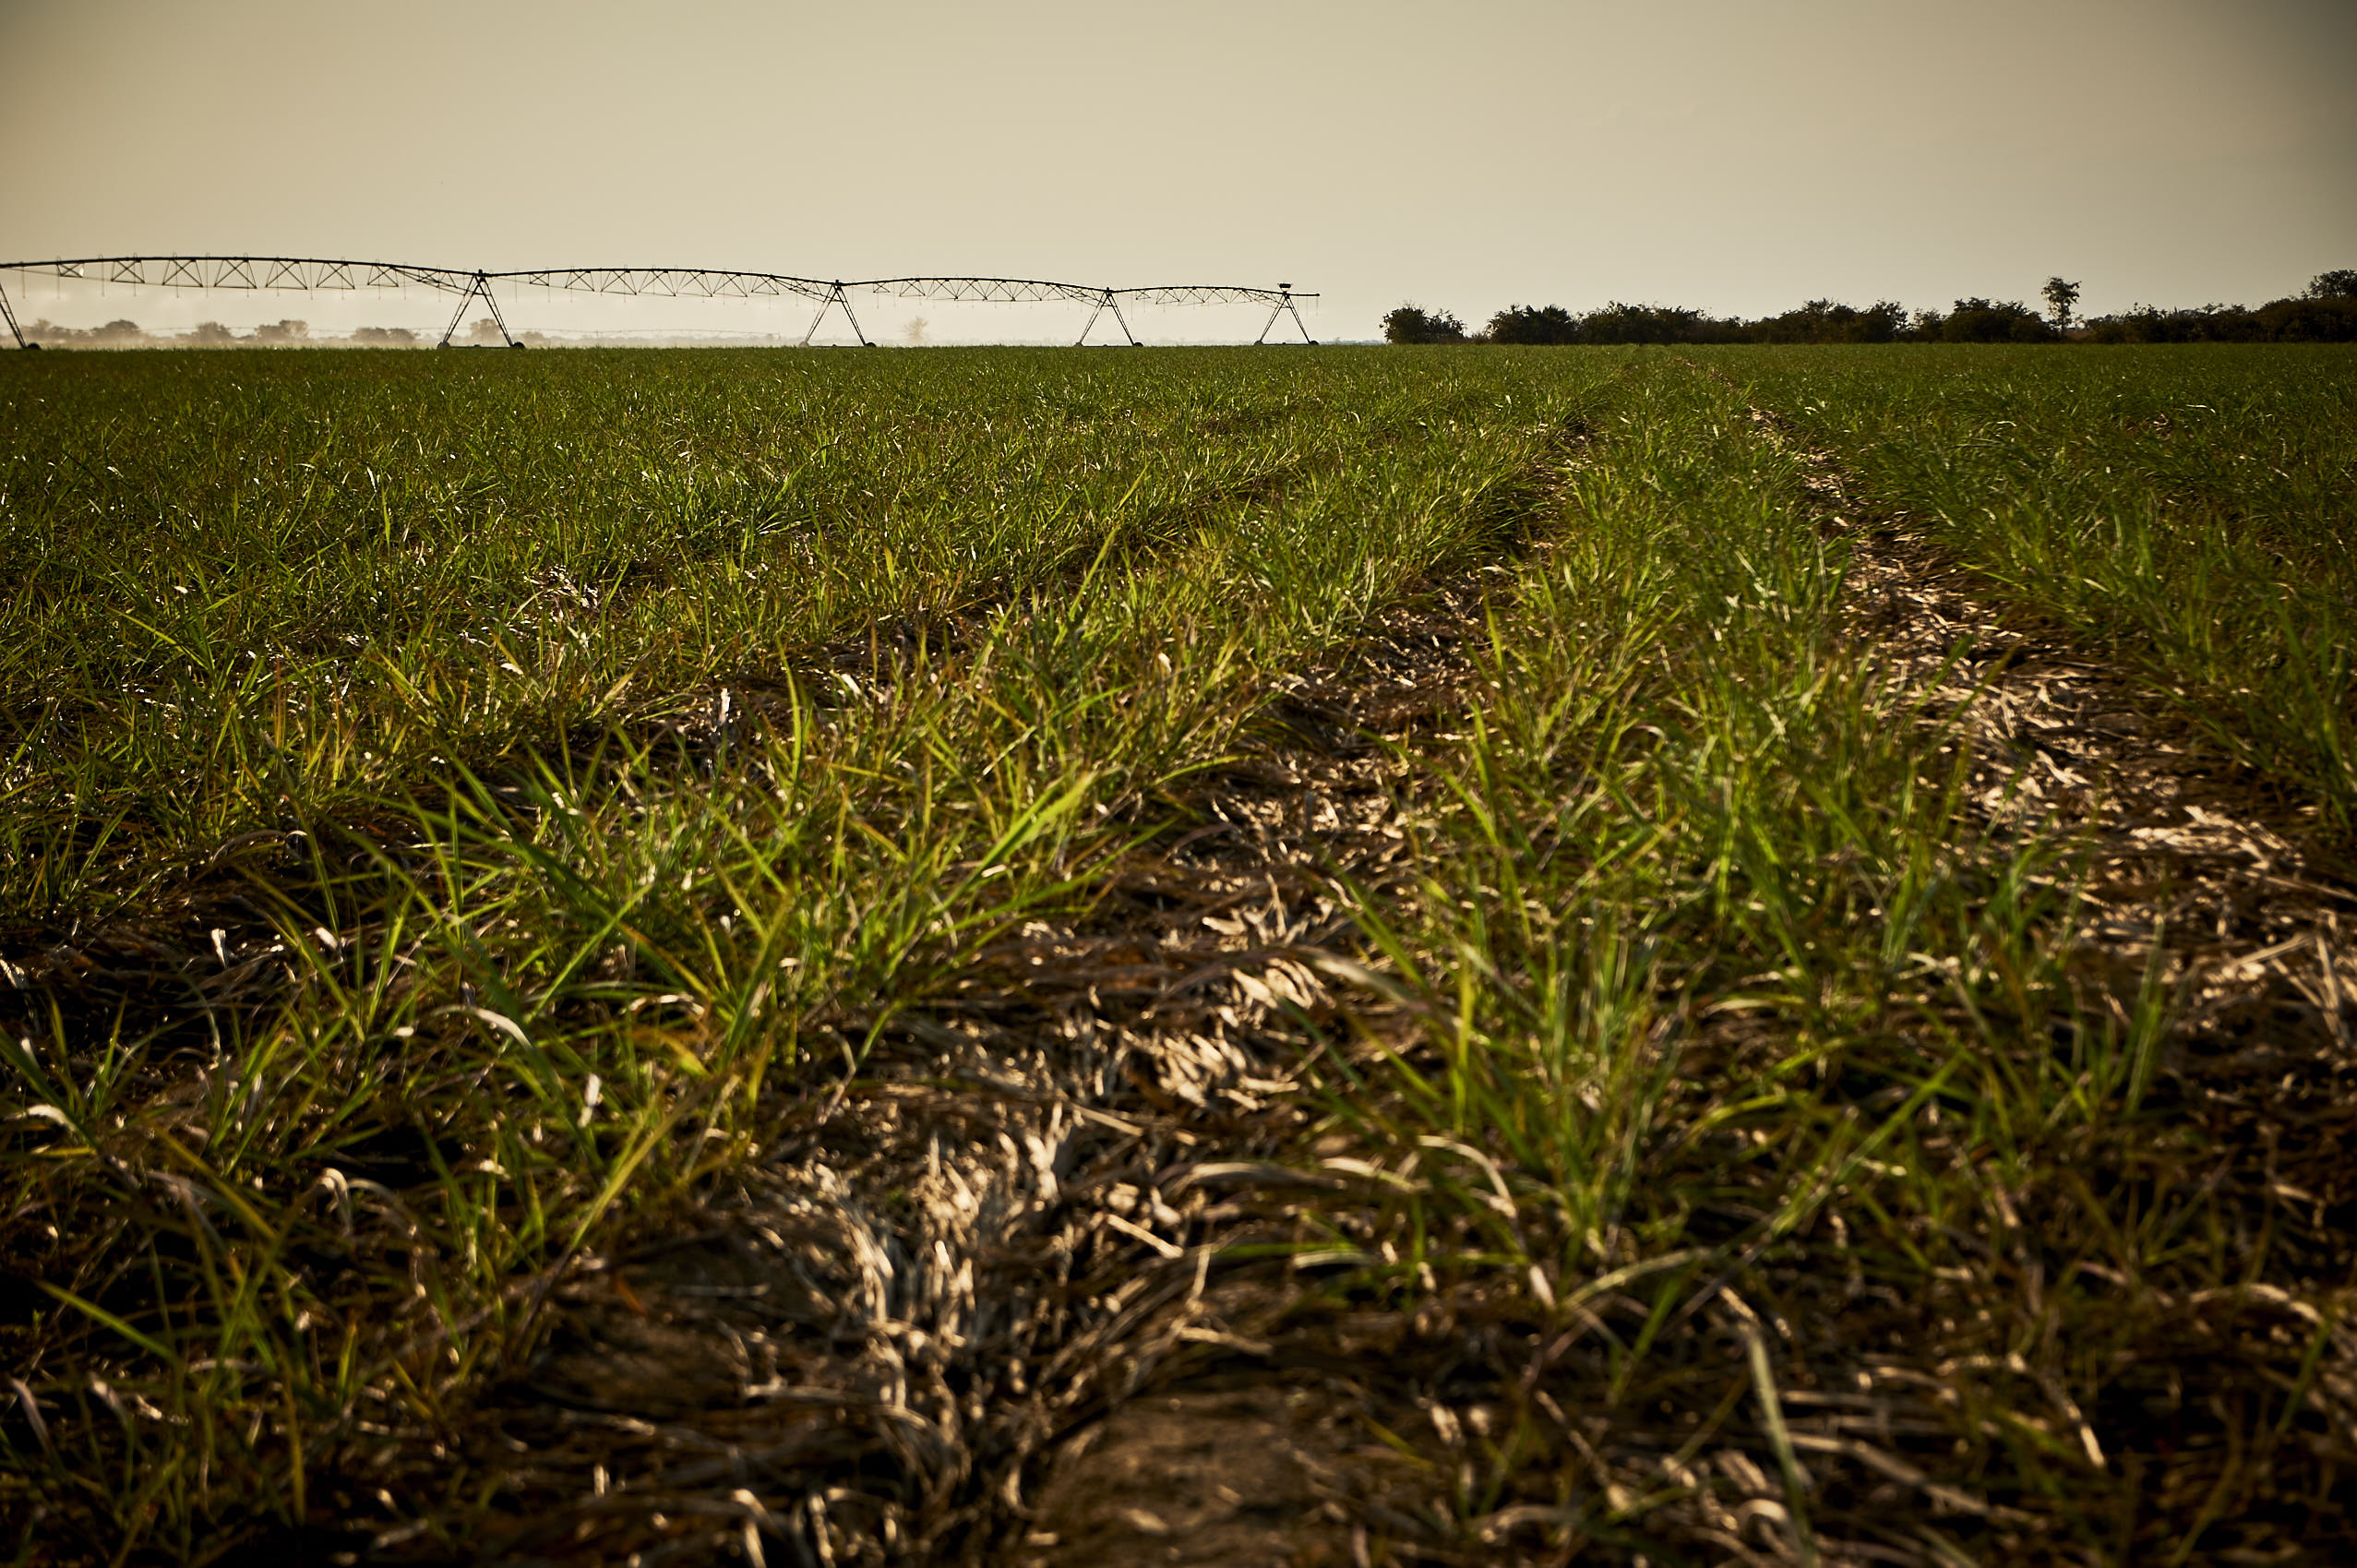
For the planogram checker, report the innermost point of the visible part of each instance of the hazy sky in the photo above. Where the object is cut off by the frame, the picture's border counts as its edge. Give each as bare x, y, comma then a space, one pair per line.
1736, 155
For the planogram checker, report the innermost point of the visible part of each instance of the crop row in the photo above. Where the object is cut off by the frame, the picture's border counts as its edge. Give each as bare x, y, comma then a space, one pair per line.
507, 785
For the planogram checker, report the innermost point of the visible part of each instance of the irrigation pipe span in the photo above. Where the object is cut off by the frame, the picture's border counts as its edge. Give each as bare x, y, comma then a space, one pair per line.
310, 274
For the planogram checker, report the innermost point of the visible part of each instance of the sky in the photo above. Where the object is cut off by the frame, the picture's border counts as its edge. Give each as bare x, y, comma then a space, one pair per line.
1737, 156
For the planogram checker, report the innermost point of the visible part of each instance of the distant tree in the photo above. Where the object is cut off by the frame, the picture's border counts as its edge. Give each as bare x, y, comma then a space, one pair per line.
1413, 324
2062, 296
1882, 321
1984, 321
1618, 323
2339, 284
384, 335
485, 331
2201, 324
1823, 321
2318, 319
211, 334
282, 332
1529, 324
2128, 327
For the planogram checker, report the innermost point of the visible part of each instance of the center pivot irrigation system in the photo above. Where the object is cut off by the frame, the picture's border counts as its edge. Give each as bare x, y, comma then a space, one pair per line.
313, 274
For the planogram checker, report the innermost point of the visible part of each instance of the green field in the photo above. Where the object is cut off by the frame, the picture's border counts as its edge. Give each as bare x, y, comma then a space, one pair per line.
708, 953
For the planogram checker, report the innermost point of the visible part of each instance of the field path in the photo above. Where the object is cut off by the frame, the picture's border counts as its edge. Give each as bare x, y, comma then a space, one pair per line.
2220, 929
2198, 871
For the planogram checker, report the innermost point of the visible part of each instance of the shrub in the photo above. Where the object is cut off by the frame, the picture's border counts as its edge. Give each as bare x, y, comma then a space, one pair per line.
1823, 321
1529, 324
1984, 321
2203, 324
2319, 318
1413, 324
1618, 323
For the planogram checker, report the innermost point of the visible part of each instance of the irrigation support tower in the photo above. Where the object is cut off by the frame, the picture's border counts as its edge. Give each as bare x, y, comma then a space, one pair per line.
835, 296
1285, 307
308, 274
479, 288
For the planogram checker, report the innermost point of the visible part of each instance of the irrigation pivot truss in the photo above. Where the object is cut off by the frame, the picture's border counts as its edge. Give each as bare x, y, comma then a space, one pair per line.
316, 274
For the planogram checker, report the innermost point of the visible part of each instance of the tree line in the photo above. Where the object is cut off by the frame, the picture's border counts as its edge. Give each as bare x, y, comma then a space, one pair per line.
212, 334
2326, 313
